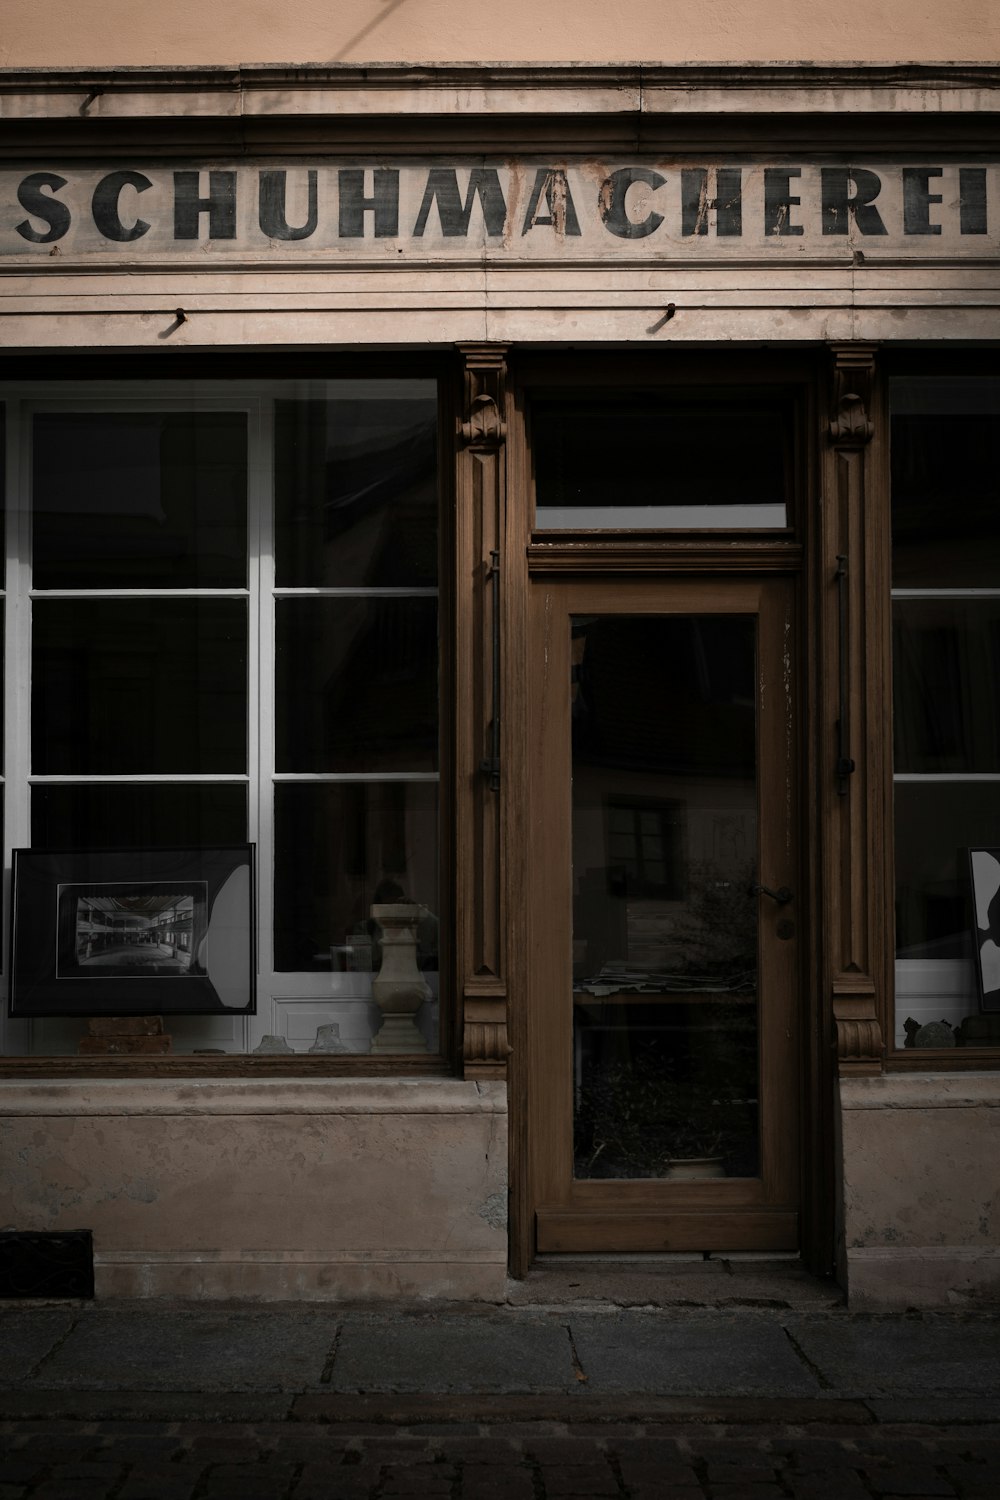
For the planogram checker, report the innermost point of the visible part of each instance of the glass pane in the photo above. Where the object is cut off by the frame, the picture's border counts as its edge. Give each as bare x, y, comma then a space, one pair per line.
341, 850
125, 686
649, 461
356, 684
356, 486
3, 491
111, 817
937, 823
945, 483
946, 664
139, 500
665, 949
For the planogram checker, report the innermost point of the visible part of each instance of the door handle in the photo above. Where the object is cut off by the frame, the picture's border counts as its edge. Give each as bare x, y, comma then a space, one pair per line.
782, 895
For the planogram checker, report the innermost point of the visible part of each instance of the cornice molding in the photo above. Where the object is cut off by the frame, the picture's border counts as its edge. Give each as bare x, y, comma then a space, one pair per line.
645, 90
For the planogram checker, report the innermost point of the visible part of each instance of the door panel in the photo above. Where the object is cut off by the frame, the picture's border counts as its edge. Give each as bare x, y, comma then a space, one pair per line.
663, 1088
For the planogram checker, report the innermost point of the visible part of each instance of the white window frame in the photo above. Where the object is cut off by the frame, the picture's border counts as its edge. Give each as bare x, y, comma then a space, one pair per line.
289, 1004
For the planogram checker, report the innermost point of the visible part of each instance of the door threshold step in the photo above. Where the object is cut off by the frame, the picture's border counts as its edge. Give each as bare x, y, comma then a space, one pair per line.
689, 1281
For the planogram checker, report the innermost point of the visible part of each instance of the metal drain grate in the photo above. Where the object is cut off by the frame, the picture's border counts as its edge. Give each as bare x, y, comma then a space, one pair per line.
36, 1264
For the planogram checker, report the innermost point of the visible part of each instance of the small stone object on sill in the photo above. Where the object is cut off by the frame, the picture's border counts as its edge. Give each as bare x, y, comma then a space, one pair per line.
271, 1045
933, 1034
129, 1036
328, 1039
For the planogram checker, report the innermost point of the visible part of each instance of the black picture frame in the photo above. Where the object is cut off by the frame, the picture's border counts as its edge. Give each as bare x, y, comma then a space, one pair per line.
984, 874
133, 932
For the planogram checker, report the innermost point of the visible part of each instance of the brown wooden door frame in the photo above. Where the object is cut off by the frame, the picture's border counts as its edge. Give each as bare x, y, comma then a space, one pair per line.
643, 1214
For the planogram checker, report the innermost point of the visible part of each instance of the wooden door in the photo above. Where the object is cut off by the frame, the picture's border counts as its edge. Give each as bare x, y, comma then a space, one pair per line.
663, 1077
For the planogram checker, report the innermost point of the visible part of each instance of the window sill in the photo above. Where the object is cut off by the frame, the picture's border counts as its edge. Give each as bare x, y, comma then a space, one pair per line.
241, 1065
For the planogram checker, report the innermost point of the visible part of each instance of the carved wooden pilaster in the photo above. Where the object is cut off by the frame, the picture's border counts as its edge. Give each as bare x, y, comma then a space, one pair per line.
854, 717
480, 500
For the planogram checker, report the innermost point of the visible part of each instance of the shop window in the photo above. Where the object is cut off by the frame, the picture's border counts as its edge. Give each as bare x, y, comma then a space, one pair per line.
228, 597
945, 437
654, 461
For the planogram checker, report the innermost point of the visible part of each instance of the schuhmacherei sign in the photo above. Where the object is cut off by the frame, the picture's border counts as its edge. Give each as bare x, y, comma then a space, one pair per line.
514, 210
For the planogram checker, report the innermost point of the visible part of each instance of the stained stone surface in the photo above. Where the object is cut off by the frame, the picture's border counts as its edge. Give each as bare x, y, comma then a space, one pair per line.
192, 1348
454, 1353
671, 1353
27, 1336
864, 1356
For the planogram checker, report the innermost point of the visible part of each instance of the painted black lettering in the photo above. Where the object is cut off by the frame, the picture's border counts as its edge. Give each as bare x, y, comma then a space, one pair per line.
442, 185
272, 207
727, 203
917, 200
611, 203
972, 200
839, 205
55, 214
383, 203
105, 206
552, 184
779, 200
220, 205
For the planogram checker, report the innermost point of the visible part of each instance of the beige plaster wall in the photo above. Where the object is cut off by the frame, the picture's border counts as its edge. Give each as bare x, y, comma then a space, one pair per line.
113, 33
325, 1188
921, 1205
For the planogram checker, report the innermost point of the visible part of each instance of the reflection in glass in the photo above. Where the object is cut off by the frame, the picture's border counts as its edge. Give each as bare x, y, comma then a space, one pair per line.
356, 684
936, 825
946, 663
126, 686
652, 461
664, 927
113, 816
945, 445
139, 500
356, 486
340, 849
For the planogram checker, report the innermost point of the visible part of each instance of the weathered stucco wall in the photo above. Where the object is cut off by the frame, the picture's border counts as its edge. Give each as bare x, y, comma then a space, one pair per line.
333, 1188
921, 1189
66, 33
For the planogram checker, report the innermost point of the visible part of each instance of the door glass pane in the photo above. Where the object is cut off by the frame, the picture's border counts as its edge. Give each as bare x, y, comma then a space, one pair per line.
651, 461
356, 486
664, 820
139, 500
114, 816
125, 686
356, 684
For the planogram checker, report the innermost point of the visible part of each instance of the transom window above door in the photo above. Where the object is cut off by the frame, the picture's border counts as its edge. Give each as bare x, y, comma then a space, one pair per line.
661, 460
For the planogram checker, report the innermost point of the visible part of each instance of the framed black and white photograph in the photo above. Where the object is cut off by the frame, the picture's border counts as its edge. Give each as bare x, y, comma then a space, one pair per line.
133, 932
985, 864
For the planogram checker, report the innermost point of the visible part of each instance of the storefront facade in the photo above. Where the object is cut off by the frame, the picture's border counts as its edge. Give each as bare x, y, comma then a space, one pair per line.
535, 531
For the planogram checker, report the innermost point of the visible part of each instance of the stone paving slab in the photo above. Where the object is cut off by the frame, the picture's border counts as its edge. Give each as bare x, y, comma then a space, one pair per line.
442, 1354
26, 1337
191, 1348
684, 1355
903, 1356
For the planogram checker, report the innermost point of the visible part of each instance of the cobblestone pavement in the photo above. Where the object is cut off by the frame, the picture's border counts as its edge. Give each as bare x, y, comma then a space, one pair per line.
528, 1460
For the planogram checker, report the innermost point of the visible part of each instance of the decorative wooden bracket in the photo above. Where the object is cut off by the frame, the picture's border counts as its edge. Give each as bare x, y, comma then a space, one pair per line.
856, 1023
853, 374
485, 1048
484, 427
480, 519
